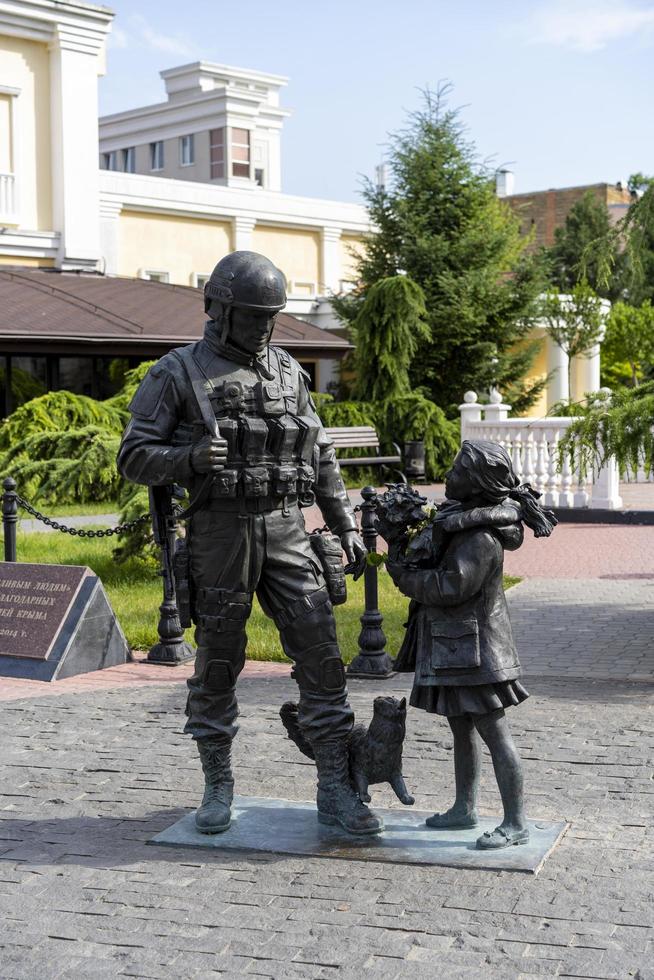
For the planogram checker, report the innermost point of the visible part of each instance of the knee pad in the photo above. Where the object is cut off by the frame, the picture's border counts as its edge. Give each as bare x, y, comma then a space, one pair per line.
222, 670
321, 671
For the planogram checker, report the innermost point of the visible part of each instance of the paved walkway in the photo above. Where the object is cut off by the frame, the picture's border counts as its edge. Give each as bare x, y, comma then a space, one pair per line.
92, 768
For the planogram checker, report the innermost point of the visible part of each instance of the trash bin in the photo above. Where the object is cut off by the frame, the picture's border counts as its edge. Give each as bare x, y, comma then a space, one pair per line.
414, 460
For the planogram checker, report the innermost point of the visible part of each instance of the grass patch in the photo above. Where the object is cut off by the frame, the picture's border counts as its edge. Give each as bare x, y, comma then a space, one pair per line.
73, 510
134, 589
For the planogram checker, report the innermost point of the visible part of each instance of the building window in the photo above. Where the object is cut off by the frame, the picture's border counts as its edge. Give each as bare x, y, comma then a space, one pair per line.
311, 368
156, 275
300, 288
198, 279
258, 177
111, 160
217, 153
129, 160
157, 155
240, 152
186, 151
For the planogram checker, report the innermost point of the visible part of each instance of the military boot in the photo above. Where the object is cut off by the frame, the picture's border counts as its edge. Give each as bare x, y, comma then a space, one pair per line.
337, 800
214, 814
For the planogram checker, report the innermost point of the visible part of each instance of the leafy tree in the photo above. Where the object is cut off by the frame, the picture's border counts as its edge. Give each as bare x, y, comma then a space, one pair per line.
632, 239
587, 221
575, 322
441, 222
630, 338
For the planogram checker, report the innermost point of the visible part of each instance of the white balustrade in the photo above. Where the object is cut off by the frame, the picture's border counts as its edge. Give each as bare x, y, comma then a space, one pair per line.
7, 197
533, 446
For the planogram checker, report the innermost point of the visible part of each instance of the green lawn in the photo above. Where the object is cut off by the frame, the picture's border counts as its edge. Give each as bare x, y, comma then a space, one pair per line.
68, 510
135, 593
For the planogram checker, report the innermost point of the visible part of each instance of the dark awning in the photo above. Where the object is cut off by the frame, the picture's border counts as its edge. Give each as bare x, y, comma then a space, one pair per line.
74, 313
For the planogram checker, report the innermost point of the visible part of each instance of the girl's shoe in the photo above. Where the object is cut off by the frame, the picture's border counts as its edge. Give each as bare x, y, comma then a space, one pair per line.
452, 820
494, 839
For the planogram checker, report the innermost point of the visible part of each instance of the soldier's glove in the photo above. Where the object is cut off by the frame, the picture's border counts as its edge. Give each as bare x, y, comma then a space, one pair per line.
353, 547
209, 455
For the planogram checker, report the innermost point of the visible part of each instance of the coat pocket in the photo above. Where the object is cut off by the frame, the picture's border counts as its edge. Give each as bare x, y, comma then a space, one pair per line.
455, 645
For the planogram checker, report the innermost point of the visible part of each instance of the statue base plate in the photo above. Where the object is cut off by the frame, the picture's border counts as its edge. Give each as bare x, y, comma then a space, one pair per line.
285, 827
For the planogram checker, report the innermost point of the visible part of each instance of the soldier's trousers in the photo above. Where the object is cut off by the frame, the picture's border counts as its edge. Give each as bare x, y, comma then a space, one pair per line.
234, 555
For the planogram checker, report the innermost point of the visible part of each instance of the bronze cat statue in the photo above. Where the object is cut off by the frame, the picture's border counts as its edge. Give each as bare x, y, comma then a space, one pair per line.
375, 753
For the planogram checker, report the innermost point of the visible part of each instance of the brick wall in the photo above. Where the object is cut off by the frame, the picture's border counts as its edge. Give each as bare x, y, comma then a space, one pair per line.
543, 211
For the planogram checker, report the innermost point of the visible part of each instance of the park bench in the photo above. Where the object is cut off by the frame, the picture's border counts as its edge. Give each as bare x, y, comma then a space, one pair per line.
365, 437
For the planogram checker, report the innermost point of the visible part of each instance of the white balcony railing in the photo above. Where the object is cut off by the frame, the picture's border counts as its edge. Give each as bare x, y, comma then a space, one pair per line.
7, 197
533, 446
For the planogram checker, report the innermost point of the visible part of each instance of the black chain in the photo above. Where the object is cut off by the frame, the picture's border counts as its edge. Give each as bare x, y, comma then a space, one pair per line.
325, 528
120, 528
78, 531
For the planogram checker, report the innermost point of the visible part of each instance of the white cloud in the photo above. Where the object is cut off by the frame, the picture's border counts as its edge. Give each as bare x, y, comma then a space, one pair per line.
587, 25
118, 38
142, 35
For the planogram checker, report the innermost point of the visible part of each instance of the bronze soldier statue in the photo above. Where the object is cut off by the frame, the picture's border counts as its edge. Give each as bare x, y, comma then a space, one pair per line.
231, 418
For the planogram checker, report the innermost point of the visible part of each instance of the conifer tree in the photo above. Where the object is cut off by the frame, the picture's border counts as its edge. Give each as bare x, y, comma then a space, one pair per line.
441, 223
387, 330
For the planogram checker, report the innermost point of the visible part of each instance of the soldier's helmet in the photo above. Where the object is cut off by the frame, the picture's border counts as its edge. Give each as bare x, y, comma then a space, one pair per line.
245, 280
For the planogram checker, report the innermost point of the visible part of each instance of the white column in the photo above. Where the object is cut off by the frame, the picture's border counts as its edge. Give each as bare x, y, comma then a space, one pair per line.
74, 68
243, 228
330, 266
557, 365
586, 373
470, 412
109, 242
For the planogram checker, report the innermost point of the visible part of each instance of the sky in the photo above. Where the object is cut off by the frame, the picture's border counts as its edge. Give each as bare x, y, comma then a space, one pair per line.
559, 91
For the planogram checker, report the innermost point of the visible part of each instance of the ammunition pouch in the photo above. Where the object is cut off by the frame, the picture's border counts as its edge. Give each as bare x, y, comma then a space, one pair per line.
225, 484
182, 574
222, 610
256, 481
327, 548
284, 480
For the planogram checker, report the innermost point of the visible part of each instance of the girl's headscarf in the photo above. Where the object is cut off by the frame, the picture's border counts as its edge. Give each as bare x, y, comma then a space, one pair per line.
489, 470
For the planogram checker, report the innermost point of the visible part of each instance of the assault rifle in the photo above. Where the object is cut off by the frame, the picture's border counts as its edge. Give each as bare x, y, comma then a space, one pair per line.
175, 609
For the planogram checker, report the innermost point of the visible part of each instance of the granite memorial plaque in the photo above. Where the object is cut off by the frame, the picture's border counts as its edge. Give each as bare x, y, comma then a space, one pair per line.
56, 621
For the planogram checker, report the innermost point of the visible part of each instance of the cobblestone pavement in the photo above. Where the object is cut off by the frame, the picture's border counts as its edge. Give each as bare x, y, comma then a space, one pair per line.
92, 768
595, 628
87, 780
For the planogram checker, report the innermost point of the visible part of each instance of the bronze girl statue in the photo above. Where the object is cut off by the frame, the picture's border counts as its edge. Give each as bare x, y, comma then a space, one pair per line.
459, 640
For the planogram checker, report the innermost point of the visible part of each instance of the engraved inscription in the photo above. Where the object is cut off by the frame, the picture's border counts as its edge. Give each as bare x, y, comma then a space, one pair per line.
34, 603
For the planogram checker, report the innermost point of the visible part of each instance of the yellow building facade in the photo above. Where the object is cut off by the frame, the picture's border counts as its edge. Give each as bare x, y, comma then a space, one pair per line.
60, 208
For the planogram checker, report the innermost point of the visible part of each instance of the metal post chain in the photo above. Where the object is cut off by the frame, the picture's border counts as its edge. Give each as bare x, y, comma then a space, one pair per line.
78, 531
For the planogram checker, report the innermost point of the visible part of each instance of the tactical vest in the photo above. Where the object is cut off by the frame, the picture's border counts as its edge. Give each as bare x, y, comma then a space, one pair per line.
271, 449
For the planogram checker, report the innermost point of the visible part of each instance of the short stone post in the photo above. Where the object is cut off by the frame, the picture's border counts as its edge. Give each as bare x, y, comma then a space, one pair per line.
9, 517
496, 410
470, 412
605, 491
372, 660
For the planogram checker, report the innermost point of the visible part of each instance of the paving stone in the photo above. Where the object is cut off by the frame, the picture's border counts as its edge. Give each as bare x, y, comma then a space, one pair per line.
80, 869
